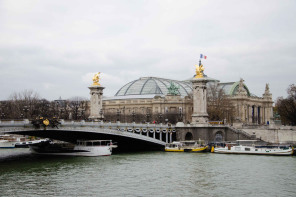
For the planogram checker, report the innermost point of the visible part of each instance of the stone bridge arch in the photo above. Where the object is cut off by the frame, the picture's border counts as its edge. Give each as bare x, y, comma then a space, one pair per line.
189, 136
219, 136
130, 137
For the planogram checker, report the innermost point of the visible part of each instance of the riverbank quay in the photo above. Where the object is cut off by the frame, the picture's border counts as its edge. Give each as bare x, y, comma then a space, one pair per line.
273, 134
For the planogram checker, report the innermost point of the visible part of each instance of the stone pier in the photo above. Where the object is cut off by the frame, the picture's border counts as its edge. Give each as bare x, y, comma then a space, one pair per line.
200, 114
96, 103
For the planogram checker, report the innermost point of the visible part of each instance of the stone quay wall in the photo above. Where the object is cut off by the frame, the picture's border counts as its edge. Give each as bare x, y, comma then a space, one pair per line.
280, 135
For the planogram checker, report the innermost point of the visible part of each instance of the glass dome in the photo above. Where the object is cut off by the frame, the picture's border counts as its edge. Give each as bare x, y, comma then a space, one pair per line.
231, 88
153, 86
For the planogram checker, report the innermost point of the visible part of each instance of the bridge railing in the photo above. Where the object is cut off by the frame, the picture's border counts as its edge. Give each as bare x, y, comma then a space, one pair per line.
116, 124
13, 123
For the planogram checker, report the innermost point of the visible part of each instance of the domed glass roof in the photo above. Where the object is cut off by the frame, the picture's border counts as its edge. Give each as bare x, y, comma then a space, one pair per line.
153, 86
231, 88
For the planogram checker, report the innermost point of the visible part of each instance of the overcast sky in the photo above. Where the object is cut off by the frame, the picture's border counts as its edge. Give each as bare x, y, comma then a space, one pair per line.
54, 47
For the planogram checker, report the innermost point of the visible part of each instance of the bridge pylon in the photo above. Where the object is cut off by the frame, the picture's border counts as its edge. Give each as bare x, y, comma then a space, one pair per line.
96, 103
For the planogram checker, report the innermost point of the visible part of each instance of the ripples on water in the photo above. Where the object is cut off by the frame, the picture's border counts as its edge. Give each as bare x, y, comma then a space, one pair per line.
146, 174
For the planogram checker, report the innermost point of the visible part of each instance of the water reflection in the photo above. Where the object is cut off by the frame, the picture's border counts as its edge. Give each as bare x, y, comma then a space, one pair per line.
148, 174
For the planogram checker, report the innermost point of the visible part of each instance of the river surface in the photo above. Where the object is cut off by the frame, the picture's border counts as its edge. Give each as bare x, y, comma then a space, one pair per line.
146, 174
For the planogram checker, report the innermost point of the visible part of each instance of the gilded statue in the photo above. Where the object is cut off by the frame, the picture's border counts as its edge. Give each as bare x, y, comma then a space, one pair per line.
96, 79
199, 71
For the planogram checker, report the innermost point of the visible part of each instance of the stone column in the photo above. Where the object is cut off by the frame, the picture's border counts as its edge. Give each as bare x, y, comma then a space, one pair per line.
96, 104
167, 137
256, 114
251, 114
200, 114
248, 114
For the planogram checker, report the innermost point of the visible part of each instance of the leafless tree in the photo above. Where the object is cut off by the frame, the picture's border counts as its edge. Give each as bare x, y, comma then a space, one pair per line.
23, 104
286, 108
219, 106
78, 107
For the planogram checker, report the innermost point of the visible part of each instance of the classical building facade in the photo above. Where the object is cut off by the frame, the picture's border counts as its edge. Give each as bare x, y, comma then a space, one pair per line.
150, 99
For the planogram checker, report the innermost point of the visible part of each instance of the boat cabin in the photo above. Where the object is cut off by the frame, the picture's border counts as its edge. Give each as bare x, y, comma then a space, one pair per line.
94, 142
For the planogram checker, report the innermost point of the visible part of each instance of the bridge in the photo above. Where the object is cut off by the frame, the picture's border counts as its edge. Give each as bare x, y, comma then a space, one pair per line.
129, 136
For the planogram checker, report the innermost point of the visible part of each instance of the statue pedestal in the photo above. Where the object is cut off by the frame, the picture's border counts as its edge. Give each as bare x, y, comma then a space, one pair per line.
96, 103
200, 114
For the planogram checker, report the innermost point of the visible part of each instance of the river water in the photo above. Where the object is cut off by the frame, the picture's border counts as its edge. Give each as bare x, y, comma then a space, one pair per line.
146, 174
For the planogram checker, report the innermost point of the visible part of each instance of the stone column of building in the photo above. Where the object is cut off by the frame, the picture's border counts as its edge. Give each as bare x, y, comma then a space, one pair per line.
255, 114
96, 103
247, 113
250, 113
199, 115
267, 96
245, 120
263, 115
259, 108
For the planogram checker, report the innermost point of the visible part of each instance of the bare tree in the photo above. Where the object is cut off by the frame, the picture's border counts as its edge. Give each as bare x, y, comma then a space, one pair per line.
78, 107
287, 107
23, 104
218, 106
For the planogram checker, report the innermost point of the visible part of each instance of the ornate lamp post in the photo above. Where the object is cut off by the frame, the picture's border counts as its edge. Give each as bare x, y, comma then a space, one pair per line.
160, 117
147, 115
56, 108
26, 109
166, 115
62, 113
82, 114
123, 110
3, 115
180, 115
101, 114
133, 114
118, 115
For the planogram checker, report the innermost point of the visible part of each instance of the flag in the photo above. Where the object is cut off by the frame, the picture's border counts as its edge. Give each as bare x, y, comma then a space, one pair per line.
203, 56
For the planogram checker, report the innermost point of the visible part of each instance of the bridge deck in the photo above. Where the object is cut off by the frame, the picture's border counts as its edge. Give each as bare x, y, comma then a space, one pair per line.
130, 137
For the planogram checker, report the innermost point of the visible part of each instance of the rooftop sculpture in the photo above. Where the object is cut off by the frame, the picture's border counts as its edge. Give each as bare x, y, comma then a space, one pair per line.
173, 89
199, 71
96, 79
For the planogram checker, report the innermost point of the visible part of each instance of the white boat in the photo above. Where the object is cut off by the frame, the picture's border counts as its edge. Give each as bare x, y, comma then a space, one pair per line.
6, 141
7, 144
252, 149
25, 144
81, 148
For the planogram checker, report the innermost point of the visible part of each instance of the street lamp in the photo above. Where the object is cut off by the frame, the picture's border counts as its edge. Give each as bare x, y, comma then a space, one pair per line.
3, 115
26, 109
61, 113
180, 115
101, 114
82, 114
160, 117
56, 110
133, 114
147, 115
118, 115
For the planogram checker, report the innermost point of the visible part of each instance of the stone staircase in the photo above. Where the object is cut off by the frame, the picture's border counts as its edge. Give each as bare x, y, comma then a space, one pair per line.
244, 134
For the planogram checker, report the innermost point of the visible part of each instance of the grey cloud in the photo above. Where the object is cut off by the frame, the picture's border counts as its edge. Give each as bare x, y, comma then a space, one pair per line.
49, 46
